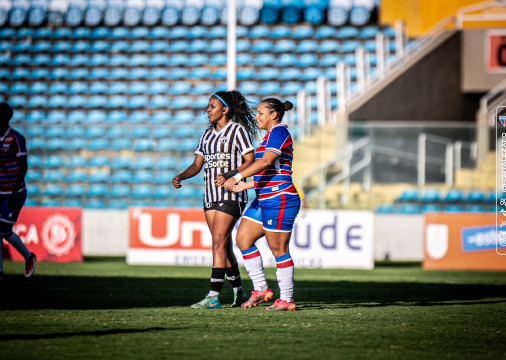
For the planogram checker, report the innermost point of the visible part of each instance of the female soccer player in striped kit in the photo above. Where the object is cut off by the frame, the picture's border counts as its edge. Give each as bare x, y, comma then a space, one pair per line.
275, 208
224, 148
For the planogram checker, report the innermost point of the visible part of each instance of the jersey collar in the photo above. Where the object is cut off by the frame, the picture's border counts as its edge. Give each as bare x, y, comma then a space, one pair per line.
6, 133
223, 128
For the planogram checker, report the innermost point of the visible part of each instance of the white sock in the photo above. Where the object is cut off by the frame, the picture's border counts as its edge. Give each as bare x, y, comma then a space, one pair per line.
16, 241
255, 268
284, 274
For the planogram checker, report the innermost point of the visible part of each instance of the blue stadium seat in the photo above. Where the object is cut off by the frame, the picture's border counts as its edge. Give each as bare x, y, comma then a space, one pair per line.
143, 162
120, 46
409, 209
291, 88
164, 145
430, 196
99, 177
116, 116
52, 176
76, 176
76, 161
75, 190
159, 102
56, 116
137, 117
306, 46
262, 46
166, 163
138, 74
55, 131
57, 101
98, 161
430, 208
97, 116
368, 32
263, 60
475, 208
137, 87
120, 191
476, 196
33, 190
161, 117
53, 190
159, 32
288, 74
37, 101
270, 12
121, 176
453, 196
95, 203
138, 102
80, 33
78, 87
303, 32
202, 88
117, 87
117, 131
349, 46
409, 195
269, 88
360, 13
259, 32
21, 88
385, 209
98, 87
453, 208
268, 74
311, 73
329, 60
347, 32
120, 162
183, 116
307, 60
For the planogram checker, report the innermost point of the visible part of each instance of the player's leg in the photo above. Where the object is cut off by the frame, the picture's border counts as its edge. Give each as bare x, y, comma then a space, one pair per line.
279, 216
220, 224
8, 217
250, 230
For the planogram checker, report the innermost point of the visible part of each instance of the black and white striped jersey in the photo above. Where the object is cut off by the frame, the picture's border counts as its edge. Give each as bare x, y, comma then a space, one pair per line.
223, 151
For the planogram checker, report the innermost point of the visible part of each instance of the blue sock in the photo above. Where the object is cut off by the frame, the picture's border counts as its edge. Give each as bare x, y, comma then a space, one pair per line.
16, 241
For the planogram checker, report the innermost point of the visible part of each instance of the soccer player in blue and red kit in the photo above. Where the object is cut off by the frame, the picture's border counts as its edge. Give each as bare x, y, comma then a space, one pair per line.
13, 167
273, 212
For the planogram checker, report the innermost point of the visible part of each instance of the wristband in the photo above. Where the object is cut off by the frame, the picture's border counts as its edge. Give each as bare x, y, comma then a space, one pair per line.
238, 177
230, 173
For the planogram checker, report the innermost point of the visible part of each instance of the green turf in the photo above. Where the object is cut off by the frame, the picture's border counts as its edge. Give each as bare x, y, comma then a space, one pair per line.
105, 309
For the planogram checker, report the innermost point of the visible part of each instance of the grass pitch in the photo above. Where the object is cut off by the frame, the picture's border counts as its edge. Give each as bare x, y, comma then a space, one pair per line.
105, 309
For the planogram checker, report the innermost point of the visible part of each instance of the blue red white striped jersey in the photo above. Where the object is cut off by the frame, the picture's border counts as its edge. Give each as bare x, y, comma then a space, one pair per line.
277, 178
12, 146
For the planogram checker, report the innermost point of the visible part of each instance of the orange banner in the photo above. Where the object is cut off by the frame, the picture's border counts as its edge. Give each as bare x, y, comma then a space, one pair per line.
461, 242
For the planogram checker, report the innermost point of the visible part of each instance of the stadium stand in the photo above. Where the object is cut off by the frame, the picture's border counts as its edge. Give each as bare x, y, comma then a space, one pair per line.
85, 81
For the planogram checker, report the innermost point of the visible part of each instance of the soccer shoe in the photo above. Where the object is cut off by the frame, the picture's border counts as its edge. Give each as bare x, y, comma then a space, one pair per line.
209, 302
257, 297
30, 265
281, 304
239, 298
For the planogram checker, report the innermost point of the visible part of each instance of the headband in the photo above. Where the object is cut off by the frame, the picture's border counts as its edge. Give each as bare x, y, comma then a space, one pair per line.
223, 101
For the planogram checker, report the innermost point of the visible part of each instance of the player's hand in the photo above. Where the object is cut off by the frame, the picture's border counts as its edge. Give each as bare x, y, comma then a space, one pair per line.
230, 183
220, 180
176, 181
240, 187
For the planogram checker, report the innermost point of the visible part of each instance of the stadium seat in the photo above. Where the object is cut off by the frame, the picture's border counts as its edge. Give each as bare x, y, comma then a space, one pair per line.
288, 74
291, 88
430, 208
270, 12
75, 190
475, 196
269, 88
137, 117
409, 209
263, 60
409, 195
78, 87
76, 161
475, 208
22, 88
453, 196
160, 117
453, 208
385, 209
430, 196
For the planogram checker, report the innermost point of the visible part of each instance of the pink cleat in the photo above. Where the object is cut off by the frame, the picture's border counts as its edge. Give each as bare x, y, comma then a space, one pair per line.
257, 297
281, 304
30, 265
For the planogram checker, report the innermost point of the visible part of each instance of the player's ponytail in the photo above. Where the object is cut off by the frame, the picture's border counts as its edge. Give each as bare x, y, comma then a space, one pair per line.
242, 114
279, 107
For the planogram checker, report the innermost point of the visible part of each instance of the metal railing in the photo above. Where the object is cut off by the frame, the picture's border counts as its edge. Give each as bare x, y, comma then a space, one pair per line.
450, 161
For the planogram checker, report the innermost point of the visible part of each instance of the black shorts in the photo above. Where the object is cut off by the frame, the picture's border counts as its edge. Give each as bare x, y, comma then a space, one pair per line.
232, 208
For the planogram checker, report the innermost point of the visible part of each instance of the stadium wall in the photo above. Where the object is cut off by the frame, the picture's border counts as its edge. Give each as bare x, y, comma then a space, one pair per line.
482, 73
429, 90
396, 237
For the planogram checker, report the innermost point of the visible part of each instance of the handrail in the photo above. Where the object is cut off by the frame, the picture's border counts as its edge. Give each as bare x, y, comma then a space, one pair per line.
416, 48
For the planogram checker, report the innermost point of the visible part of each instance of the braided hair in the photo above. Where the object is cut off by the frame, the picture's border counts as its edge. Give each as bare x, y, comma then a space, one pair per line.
239, 111
279, 107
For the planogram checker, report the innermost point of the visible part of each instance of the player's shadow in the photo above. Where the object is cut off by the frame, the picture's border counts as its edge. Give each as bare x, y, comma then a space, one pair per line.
47, 336
87, 292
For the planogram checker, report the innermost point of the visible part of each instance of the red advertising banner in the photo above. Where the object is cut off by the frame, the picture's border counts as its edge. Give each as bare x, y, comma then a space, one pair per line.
496, 51
461, 242
53, 234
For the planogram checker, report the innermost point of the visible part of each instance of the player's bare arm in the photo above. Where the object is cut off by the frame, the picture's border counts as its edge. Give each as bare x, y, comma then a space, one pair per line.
249, 159
261, 164
190, 171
